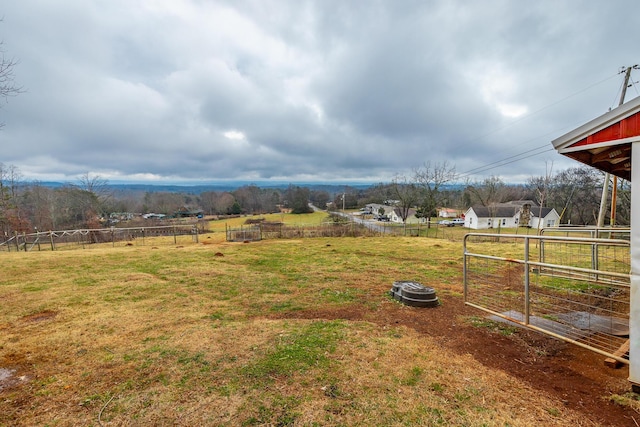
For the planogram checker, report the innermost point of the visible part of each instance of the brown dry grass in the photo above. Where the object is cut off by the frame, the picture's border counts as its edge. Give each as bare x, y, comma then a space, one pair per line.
180, 336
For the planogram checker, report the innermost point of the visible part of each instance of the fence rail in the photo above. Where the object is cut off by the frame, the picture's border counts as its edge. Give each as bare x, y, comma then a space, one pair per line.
575, 289
66, 239
262, 231
622, 233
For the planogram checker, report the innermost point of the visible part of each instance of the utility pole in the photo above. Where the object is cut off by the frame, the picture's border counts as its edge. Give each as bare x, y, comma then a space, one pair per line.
605, 186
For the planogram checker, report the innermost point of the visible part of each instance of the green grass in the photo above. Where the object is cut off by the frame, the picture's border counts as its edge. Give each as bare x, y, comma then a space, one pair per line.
180, 336
499, 327
313, 218
296, 352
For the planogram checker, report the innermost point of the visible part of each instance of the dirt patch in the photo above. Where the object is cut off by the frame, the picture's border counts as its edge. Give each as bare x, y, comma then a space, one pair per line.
576, 376
8, 379
41, 316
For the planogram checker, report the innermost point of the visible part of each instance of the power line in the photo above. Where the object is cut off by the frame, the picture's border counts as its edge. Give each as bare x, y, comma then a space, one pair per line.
506, 161
487, 166
526, 116
534, 151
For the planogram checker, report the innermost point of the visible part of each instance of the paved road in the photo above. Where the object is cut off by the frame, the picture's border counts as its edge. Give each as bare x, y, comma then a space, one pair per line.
370, 224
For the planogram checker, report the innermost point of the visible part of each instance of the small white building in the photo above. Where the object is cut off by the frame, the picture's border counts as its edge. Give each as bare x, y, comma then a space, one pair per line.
396, 216
448, 213
378, 210
510, 215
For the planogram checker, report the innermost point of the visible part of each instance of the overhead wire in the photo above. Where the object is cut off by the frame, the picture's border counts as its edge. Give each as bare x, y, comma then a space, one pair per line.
506, 161
531, 152
526, 116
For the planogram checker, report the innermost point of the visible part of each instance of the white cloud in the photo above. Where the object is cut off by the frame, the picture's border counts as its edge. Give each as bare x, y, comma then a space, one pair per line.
307, 90
234, 135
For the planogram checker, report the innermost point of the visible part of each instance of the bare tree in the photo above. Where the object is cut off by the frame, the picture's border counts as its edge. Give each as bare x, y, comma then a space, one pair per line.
488, 192
430, 178
407, 193
8, 86
163, 202
623, 203
97, 185
38, 202
98, 194
576, 195
541, 186
11, 216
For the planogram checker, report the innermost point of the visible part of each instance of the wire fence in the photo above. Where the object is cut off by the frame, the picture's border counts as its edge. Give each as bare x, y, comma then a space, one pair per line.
86, 238
263, 231
266, 230
575, 289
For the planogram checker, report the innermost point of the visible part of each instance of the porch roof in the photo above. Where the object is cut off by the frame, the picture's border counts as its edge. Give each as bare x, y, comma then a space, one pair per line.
605, 142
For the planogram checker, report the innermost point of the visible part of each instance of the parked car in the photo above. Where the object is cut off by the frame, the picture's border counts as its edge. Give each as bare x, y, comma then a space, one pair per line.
446, 223
458, 221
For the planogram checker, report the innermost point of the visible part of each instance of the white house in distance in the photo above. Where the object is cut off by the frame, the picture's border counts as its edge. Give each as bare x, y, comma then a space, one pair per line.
378, 210
448, 213
520, 213
396, 216
391, 213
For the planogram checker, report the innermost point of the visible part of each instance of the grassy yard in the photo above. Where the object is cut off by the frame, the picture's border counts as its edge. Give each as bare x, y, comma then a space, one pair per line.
208, 334
286, 218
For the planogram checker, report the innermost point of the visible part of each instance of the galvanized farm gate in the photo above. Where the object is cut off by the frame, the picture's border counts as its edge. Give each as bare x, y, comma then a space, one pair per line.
573, 288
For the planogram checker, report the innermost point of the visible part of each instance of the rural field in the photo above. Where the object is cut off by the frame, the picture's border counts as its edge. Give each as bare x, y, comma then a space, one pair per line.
278, 333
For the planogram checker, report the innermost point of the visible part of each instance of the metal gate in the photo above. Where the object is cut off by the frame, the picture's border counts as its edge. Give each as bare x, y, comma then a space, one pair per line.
575, 289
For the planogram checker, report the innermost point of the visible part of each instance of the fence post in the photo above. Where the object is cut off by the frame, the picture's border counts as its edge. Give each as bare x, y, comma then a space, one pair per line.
594, 257
16, 239
175, 239
24, 240
53, 246
465, 259
526, 281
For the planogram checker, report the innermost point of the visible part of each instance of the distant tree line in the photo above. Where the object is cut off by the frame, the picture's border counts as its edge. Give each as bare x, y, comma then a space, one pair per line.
575, 193
29, 206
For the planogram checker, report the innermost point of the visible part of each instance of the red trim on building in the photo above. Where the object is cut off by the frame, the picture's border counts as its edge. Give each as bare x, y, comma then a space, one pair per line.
625, 128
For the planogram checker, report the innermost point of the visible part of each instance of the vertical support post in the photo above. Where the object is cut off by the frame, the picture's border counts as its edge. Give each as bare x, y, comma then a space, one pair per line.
634, 310
16, 241
175, 238
464, 266
526, 281
53, 246
594, 258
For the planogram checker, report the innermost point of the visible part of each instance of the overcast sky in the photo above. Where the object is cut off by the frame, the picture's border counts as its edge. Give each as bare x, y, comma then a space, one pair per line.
298, 91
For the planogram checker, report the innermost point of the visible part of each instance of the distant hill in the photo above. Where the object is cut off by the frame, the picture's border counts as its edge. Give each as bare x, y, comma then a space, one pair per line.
225, 186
